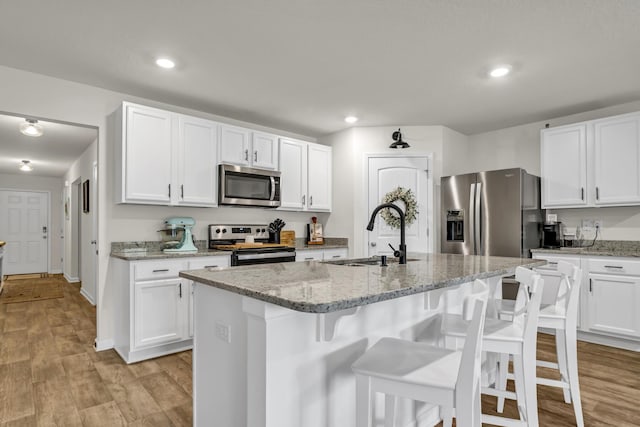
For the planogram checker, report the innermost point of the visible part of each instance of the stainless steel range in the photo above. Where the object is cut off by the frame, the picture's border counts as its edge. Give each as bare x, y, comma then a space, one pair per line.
249, 244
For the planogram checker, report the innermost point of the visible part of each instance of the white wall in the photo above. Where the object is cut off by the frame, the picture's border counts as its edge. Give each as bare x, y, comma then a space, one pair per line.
350, 212
519, 146
81, 170
54, 186
44, 97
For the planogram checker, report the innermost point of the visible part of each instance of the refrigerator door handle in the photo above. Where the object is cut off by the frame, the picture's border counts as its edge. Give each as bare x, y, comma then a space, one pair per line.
478, 220
471, 220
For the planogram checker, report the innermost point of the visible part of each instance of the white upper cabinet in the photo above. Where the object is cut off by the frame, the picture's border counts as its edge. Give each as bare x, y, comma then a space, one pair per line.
240, 146
264, 150
564, 166
594, 163
319, 178
306, 173
293, 178
617, 160
235, 145
197, 153
165, 158
145, 155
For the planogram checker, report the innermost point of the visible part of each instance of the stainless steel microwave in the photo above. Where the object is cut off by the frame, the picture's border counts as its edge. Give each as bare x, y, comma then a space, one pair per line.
242, 186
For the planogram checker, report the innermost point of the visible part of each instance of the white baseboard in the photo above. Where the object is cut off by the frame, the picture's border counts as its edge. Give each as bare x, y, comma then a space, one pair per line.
71, 279
609, 341
101, 345
87, 296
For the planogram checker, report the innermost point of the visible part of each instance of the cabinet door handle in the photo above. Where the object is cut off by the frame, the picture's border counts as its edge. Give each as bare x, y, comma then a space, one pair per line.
336, 256
597, 193
614, 266
246, 155
163, 270
169, 190
304, 199
582, 193
210, 266
255, 156
309, 258
590, 286
182, 191
180, 289
552, 263
310, 200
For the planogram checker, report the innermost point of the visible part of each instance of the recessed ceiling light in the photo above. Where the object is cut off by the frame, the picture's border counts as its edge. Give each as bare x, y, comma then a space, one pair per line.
500, 71
351, 119
165, 63
31, 128
25, 165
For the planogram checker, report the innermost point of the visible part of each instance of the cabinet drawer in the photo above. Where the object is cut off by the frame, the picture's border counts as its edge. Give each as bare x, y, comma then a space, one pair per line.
552, 261
207, 262
330, 254
309, 255
614, 266
161, 269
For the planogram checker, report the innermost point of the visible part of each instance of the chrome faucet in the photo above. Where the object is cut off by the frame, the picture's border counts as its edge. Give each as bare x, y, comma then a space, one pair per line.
401, 253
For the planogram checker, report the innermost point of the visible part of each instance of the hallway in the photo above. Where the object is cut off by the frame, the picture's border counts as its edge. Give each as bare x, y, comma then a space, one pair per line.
50, 374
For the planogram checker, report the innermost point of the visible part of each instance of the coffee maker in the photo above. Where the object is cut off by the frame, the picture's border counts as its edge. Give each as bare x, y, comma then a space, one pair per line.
552, 235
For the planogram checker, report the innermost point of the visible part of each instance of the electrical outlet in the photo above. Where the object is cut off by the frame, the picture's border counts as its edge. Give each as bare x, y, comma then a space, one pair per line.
598, 223
223, 332
587, 225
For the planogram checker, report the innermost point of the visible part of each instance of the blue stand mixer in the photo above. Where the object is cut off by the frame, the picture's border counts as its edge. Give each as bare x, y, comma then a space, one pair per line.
186, 243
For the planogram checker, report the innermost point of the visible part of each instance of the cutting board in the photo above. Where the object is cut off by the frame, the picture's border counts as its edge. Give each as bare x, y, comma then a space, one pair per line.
288, 237
249, 246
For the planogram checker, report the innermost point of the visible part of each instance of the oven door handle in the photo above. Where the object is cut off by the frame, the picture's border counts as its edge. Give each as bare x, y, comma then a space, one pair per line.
267, 255
273, 188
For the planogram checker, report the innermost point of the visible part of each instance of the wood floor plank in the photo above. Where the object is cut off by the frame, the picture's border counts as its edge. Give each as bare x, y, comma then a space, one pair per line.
55, 404
181, 416
16, 391
134, 401
88, 389
165, 390
107, 415
14, 347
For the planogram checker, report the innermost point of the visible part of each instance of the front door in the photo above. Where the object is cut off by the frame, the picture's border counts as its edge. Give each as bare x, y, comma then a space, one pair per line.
385, 175
24, 217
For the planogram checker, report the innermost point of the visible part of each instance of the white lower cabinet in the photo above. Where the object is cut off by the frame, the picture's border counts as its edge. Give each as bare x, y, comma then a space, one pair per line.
160, 312
321, 254
155, 306
613, 295
610, 294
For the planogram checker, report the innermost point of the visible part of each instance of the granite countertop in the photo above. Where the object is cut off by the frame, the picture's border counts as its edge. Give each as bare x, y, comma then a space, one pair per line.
136, 251
132, 255
614, 248
317, 287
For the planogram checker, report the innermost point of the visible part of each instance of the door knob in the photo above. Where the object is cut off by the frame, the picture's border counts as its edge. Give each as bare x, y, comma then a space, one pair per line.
373, 243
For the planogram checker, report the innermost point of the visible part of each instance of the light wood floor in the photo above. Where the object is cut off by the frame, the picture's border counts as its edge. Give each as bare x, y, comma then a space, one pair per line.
50, 375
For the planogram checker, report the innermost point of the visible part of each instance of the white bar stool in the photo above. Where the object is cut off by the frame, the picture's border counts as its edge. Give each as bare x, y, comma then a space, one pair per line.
515, 337
419, 371
563, 318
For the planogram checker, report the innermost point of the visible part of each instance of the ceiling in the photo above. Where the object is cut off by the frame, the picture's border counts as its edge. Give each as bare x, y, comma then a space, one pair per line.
51, 154
302, 65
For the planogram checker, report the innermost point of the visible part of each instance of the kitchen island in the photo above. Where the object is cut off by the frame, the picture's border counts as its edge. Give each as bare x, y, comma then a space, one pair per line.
274, 344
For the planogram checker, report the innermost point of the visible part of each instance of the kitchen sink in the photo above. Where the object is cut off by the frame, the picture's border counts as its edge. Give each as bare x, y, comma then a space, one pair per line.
362, 262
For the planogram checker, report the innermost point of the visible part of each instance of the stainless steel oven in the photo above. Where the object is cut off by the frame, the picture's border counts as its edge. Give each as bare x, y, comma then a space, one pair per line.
234, 238
244, 186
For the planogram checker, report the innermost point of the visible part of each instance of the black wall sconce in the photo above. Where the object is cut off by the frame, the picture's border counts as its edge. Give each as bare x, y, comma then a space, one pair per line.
398, 142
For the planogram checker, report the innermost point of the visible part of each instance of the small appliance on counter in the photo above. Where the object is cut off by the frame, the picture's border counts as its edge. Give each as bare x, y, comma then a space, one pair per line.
249, 244
552, 235
174, 227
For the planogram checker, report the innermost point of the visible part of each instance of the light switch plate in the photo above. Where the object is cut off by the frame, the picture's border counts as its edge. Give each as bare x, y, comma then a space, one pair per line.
552, 218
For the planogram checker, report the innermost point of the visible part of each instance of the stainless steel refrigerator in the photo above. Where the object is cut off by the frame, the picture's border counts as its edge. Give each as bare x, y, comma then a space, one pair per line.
491, 213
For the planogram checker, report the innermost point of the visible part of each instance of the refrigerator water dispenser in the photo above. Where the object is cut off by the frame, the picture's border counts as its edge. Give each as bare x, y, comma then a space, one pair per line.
455, 226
